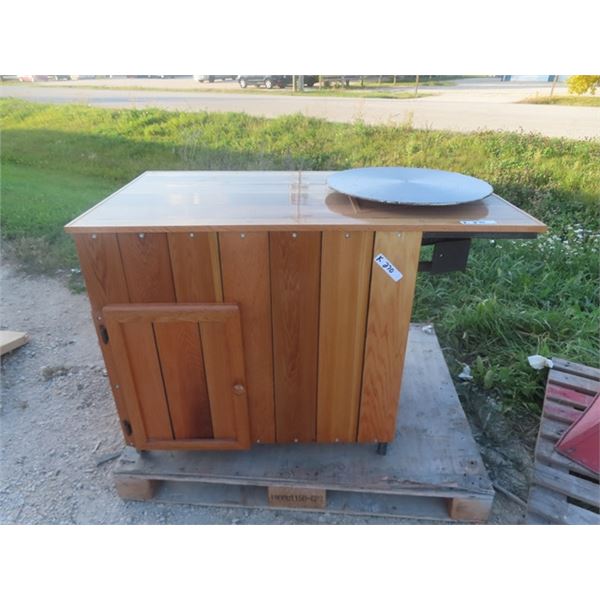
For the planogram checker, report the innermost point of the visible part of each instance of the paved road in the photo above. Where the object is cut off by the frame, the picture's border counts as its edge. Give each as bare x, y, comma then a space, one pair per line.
454, 109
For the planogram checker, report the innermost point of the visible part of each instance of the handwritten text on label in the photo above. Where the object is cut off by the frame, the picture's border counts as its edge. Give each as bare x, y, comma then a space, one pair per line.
388, 267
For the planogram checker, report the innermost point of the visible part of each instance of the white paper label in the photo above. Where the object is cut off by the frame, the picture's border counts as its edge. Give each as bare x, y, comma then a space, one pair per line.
388, 267
479, 222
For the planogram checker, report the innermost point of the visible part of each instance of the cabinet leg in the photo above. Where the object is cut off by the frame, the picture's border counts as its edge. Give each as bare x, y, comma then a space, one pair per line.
382, 448
470, 509
131, 488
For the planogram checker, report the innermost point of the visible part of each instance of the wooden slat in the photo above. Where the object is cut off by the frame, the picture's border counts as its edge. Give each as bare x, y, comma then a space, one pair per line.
217, 358
295, 263
102, 269
147, 267
136, 358
575, 382
345, 272
553, 506
570, 485
567, 396
546, 454
551, 429
560, 364
548, 504
182, 366
11, 340
561, 412
390, 307
246, 282
196, 268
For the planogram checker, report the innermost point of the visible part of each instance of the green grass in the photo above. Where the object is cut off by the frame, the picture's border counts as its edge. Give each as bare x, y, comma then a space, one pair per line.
563, 100
516, 298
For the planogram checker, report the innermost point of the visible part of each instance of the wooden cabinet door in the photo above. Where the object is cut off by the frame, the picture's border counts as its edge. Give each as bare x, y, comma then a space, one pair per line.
181, 370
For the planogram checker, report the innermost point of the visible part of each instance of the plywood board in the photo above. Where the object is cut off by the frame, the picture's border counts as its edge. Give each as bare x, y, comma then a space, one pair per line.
10, 340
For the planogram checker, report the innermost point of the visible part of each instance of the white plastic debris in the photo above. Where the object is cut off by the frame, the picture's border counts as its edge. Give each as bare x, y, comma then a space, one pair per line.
427, 329
537, 361
465, 374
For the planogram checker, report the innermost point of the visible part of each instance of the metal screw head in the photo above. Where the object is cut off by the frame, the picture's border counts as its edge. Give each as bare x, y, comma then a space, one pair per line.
192, 235
258, 441
295, 440
116, 386
94, 236
141, 236
337, 439
346, 235
398, 234
294, 235
99, 318
242, 235
238, 389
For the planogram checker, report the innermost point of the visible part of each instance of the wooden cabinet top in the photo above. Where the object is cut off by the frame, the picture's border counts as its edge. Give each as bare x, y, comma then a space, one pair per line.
280, 200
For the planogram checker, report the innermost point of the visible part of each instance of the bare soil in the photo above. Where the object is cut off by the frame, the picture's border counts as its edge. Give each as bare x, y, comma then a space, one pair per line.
59, 433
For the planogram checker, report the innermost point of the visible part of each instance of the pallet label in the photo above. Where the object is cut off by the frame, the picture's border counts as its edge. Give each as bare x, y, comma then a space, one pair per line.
296, 497
388, 267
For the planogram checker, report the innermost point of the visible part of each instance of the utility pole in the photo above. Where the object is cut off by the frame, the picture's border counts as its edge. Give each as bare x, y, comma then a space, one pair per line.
553, 85
301, 83
416, 86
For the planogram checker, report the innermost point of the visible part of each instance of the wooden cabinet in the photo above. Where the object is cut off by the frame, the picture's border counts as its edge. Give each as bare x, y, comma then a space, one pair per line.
241, 308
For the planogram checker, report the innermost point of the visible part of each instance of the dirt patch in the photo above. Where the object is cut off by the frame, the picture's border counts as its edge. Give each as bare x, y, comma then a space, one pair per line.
60, 433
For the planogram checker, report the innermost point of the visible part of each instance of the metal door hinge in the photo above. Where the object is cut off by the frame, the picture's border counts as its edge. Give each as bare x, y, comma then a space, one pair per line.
103, 334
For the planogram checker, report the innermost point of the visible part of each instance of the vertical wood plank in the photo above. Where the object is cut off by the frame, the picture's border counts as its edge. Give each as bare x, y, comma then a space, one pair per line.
147, 267
390, 307
216, 360
195, 265
345, 274
182, 365
246, 281
100, 261
295, 263
135, 354
102, 270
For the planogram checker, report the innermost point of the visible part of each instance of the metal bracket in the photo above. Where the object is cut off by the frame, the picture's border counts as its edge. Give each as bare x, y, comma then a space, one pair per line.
448, 255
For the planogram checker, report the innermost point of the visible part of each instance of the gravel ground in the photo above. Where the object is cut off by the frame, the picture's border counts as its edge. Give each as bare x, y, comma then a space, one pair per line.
59, 430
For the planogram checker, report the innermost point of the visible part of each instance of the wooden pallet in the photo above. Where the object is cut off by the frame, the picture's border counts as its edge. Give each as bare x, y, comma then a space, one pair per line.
432, 471
563, 491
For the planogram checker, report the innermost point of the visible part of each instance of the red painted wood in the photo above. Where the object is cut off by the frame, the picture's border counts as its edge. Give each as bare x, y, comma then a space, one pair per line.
566, 414
581, 442
561, 394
